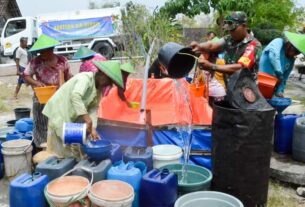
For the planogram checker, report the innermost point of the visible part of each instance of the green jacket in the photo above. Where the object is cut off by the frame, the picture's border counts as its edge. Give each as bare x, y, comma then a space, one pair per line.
76, 97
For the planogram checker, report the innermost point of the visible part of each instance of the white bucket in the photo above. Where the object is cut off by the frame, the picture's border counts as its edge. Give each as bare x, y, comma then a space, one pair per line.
166, 154
111, 193
66, 190
17, 156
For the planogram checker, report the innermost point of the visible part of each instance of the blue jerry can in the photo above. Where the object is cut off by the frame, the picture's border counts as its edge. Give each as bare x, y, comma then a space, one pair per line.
283, 132
159, 188
55, 167
130, 173
143, 154
28, 190
99, 170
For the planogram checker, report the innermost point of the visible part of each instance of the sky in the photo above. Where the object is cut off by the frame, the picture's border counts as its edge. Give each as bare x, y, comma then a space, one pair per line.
34, 7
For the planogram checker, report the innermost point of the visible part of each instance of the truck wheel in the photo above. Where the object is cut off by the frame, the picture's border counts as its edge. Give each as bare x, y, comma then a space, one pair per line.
105, 49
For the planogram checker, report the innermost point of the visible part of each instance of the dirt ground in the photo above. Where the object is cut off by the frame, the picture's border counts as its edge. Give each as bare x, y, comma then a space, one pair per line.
280, 194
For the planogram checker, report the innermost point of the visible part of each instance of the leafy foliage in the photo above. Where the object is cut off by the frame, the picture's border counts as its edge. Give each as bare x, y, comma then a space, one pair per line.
280, 12
266, 32
142, 28
188, 7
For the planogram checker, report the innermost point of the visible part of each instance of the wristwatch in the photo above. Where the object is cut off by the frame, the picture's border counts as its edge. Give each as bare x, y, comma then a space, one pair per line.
214, 67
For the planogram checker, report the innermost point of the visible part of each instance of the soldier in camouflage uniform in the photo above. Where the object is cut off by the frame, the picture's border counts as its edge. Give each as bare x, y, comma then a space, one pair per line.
241, 50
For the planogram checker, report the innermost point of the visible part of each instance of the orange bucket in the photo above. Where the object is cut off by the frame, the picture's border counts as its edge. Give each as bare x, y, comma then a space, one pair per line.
266, 84
197, 90
44, 93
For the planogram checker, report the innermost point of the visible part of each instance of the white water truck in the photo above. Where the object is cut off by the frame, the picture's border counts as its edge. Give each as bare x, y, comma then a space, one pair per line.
98, 29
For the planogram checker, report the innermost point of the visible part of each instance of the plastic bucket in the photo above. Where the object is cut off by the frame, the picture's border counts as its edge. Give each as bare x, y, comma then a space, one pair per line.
166, 154
177, 65
22, 113
67, 190
208, 198
266, 84
11, 123
197, 90
198, 178
17, 156
74, 133
111, 193
43, 94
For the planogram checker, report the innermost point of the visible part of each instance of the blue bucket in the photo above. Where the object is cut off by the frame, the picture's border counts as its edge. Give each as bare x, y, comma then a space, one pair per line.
74, 133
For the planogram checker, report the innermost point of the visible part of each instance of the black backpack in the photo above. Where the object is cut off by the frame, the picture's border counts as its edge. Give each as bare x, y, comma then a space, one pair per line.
14, 53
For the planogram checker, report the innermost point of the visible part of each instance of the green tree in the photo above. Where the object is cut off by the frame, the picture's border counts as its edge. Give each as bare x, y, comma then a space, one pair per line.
141, 28
280, 12
188, 7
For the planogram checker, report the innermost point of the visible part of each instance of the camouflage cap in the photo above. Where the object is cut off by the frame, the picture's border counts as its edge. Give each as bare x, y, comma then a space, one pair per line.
234, 19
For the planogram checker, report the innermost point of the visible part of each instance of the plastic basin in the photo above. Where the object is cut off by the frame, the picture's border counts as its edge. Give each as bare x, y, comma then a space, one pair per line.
208, 198
199, 178
45, 93
98, 150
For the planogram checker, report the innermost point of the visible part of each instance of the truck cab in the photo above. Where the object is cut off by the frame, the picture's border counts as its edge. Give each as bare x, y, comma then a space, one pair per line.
13, 30
97, 29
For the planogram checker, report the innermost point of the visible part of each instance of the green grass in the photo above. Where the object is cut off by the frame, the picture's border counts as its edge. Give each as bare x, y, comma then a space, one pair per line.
280, 195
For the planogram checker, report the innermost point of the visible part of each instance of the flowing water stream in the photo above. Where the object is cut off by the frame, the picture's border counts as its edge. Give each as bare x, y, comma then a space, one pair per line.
184, 126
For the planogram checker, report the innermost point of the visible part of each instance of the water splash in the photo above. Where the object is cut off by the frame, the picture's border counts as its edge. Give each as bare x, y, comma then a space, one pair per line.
184, 127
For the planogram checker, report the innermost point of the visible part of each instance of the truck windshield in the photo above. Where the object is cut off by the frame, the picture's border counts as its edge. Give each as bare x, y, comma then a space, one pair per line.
14, 27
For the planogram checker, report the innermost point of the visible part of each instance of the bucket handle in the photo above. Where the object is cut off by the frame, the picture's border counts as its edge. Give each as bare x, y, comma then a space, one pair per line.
75, 198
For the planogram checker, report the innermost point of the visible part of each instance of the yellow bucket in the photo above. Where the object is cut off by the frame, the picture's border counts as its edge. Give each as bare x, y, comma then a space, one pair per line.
44, 93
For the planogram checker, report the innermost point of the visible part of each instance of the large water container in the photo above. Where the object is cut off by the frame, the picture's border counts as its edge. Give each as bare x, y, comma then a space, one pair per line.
28, 190
54, 167
283, 132
159, 189
298, 144
1, 163
99, 170
242, 145
143, 154
130, 173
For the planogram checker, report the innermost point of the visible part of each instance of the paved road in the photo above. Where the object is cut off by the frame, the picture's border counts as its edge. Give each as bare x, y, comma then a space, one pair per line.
9, 69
